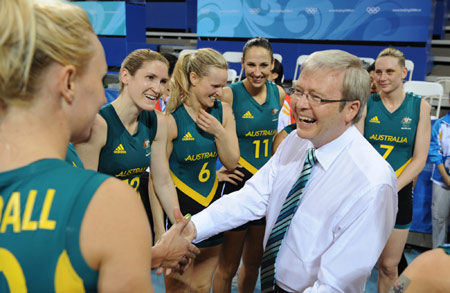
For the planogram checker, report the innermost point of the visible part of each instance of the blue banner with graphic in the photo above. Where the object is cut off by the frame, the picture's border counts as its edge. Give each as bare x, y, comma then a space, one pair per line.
352, 20
107, 17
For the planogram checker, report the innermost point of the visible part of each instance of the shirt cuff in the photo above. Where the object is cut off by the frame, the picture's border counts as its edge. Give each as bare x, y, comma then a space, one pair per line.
201, 221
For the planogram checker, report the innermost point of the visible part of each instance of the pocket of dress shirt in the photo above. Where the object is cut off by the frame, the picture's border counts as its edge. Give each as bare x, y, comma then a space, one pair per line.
306, 237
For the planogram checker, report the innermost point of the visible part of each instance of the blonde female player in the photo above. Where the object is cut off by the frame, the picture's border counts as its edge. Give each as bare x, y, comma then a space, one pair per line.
201, 129
50, 91
397, 124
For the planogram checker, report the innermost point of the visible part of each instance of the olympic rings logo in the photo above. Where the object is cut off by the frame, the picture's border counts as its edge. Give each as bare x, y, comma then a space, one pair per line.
311, 10
254, 10
373, 10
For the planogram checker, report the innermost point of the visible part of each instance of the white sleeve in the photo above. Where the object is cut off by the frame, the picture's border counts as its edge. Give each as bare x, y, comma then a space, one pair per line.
360, 239
237, 208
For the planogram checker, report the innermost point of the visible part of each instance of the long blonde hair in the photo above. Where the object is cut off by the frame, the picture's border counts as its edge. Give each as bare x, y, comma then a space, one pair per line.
198, 62
34, 34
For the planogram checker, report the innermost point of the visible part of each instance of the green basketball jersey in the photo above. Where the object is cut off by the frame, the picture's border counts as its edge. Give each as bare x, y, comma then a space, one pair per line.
255, 124
42, 206
290, 128
194, 156
127, 156
393, 134
72, 156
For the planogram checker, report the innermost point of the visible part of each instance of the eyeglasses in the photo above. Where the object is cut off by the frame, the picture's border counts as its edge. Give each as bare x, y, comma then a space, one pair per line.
314, 99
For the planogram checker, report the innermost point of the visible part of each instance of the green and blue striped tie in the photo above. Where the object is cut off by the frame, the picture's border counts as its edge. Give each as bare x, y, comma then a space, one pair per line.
282, 224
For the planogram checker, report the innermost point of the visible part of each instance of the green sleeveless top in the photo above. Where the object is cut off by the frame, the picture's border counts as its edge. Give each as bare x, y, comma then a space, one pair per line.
393, 134
72, 157
194, 156
255, 124
42, 206
127, 156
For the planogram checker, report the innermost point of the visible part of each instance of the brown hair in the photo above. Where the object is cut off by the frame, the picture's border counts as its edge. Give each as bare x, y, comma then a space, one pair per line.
258, 42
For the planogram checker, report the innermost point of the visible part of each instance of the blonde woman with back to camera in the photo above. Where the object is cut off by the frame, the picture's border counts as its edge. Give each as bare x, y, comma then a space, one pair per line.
59, 226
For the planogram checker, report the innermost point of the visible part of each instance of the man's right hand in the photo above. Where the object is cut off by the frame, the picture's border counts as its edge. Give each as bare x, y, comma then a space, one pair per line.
175, 245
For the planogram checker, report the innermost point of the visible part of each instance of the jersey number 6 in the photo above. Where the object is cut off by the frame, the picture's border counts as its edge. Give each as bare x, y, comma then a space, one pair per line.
204, 174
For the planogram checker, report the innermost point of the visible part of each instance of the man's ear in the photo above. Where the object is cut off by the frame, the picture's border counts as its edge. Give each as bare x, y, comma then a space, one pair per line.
353, 109
67, 81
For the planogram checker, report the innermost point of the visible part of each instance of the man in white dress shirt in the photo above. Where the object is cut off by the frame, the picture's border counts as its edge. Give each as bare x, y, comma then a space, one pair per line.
349, 204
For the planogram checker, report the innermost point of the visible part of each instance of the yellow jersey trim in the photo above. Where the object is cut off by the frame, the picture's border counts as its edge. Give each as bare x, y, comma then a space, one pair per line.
204, 201
402, 168
249, 167
66, 279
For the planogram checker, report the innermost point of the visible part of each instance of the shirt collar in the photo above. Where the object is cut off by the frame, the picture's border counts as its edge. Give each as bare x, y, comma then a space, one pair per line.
328, 153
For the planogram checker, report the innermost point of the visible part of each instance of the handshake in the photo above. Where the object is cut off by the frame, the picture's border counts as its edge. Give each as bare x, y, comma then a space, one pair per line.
174, 250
